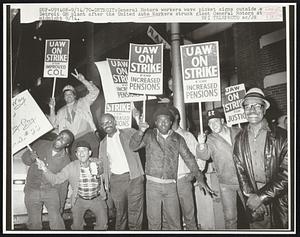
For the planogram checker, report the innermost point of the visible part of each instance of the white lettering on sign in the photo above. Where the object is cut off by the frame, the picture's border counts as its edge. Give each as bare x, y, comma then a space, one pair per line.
56, 58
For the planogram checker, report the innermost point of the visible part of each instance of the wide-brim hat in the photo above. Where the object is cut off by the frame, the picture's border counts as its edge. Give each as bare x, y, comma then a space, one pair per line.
256, 93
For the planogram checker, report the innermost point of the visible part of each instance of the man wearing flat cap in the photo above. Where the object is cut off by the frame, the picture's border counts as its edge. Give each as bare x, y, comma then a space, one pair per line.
218, 146
163, 147
261, 159
85, 177
76, 115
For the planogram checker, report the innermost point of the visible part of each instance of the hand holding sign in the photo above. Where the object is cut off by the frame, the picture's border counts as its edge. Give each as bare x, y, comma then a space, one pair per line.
143, 126
41, 165
34, 156
201, 138
52, 103
136, 114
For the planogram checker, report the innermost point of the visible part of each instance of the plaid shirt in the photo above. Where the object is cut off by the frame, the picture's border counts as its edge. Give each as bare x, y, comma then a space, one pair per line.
88, 185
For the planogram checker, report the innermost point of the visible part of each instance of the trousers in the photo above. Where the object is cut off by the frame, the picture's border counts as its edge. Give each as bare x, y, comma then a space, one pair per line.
97, 206
128, 198
162, 200
186, 200
34, 201
229, 201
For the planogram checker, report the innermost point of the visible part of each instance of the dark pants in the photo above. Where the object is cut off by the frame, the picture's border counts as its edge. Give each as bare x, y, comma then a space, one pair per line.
229, 201
34, 200
162, 200
186, 200
128, 198
97, 206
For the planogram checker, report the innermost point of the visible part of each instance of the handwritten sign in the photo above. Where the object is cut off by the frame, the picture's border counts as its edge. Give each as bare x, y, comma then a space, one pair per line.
233, 109
145, 73
201, 72
56, 62
28, 123
121, 112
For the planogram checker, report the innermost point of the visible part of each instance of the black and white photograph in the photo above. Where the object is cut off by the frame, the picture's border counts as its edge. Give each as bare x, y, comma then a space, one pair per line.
149, 118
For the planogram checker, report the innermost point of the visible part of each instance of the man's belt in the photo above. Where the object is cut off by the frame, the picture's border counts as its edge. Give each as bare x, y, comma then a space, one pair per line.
161, 181
89, 198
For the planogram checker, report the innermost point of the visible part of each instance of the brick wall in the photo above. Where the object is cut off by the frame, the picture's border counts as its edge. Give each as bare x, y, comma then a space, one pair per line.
247, 54
255, 63
278, 97
273, 58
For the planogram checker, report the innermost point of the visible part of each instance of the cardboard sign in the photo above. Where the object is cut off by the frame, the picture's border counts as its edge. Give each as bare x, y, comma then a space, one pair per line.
28, 121
201, 72
145, 73
121, 112
233, 109
56, 62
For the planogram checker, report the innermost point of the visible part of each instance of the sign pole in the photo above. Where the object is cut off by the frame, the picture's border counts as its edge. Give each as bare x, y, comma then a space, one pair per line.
144, 108
53, 90
200, 118
29, 147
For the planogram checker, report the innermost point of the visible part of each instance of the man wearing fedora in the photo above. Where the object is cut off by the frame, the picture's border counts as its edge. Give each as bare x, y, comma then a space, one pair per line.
218, 146
76, 115
261, 160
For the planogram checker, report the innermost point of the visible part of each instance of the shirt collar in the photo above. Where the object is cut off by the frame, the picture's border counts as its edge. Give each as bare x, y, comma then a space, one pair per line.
160, 135
264, 126
117, 133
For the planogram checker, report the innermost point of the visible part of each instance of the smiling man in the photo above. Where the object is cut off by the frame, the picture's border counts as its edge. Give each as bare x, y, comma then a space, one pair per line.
261, 159
38, 191
163, 147
123, 173
85, 177
218, 146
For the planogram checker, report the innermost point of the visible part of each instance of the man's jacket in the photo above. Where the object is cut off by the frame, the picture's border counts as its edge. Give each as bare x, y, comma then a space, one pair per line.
133, 158
162, 154
275, 192
72, 173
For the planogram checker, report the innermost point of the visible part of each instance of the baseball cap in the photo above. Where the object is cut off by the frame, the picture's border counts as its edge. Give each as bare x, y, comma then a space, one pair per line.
83, 143
69, 88
214, 113
256, 93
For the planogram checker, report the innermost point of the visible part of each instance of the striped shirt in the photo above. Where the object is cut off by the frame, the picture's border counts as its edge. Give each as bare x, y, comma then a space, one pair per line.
88, 185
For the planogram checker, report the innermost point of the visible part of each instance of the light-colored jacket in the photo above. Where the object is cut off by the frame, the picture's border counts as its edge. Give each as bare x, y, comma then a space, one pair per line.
221, 151
133, 158
83, 112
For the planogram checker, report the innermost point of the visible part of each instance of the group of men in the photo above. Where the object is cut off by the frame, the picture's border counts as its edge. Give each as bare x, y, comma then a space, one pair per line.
251, 162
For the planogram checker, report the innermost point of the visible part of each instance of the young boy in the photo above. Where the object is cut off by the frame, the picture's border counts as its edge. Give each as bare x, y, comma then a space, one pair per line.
85, 179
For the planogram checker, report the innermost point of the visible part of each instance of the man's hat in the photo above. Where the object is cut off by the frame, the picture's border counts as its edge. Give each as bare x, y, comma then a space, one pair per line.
214, 113
163, 111
256, 93
83, 143
69, 88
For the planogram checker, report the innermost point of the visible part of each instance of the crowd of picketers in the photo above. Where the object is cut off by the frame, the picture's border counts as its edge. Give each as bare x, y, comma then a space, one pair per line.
251, 164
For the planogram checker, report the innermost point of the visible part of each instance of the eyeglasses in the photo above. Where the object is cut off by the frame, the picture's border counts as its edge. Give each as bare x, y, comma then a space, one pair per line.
257, 107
